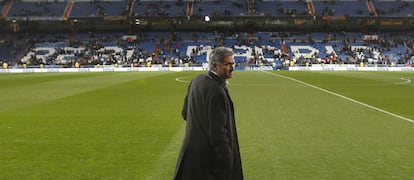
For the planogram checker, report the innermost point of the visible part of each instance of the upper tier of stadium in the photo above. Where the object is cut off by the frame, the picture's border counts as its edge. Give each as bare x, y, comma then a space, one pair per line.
56, 9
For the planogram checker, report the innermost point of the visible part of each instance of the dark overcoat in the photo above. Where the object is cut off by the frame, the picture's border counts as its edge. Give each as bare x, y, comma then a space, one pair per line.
210, 149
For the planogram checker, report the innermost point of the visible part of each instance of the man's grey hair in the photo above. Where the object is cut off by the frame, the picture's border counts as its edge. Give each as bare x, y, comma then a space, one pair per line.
217, 56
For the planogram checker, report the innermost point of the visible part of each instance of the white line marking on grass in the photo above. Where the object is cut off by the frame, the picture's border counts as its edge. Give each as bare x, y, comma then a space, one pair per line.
180, 79
344, 97
405, 81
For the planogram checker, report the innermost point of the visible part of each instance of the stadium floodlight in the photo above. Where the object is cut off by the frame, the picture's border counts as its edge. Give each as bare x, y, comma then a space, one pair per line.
207, 18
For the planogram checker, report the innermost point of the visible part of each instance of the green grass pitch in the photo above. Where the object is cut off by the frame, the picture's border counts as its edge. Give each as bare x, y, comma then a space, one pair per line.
291, 125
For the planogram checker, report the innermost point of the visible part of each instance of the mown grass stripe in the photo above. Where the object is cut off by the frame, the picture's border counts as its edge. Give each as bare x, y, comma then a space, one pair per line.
344, 97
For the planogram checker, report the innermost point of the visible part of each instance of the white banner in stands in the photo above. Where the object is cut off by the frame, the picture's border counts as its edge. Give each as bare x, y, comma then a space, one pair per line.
45, 70
350, 68
144, 69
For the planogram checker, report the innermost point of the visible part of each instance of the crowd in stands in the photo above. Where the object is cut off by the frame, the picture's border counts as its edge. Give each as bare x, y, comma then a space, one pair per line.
276, 8
179, 48
81, 8
395, 8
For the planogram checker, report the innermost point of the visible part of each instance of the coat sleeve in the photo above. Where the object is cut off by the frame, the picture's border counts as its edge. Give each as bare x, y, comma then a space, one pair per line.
184, 110
185, 104
219, 132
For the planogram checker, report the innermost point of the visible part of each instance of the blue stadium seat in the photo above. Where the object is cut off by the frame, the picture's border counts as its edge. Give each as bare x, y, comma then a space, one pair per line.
220, 8
42, 9
98, 8
394, 8
159, 8
351, 8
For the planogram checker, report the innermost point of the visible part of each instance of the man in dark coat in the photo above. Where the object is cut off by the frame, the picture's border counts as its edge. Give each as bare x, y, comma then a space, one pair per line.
210, 149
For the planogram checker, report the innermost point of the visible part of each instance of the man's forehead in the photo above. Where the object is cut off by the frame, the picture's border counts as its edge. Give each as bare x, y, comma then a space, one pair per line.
229, 59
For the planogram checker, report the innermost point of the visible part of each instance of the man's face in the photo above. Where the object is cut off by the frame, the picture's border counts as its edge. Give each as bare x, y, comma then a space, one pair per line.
226, 68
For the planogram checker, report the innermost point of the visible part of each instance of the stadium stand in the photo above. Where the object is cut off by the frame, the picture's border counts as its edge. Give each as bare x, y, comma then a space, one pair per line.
263, 47
281, 8
136, 47
220, 8
341, 8
160, 8
39, 9
394, 8
99, 8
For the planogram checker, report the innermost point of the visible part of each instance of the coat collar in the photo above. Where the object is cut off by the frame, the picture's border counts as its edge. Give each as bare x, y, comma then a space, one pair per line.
223, 82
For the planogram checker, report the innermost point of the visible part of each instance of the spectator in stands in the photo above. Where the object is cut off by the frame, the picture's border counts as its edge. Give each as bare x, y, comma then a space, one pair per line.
210, 149
5, 65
